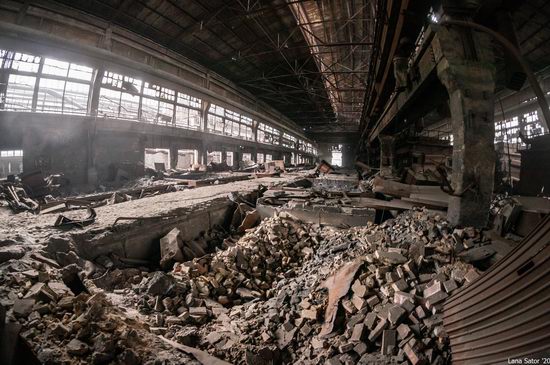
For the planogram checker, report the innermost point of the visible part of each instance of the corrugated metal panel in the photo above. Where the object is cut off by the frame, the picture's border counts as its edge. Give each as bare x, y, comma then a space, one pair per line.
505, 313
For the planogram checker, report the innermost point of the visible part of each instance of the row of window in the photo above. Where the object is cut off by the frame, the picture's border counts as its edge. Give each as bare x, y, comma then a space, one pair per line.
11, 153
230, 123
509, 130
61, 87
505, 131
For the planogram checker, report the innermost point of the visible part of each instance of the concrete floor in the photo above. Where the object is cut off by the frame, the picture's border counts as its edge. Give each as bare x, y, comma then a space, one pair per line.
34, 229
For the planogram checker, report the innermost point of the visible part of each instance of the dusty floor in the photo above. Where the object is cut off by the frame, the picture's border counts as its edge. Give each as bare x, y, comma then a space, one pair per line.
39, 227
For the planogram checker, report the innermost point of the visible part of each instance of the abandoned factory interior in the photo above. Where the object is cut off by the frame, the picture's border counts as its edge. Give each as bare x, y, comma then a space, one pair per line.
274, 182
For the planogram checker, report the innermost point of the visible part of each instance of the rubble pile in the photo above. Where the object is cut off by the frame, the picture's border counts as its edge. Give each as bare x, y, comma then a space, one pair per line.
284, 293
64, 327
15, 196
244, 271
367, 294
272, 251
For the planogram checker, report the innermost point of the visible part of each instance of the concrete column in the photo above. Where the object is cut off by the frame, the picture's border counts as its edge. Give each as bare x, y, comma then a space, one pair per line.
324, 152
202, 153
466, 68
387, 152
173, 156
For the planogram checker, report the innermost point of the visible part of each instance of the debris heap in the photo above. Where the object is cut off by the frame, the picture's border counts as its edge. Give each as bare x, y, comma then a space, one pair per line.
284, 293
62, 327
367, 294
246, 270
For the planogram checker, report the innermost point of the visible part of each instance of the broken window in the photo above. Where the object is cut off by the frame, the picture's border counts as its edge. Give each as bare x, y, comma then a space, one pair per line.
119, 96
188, 112
288, 140
159, 110
268, 157
507, 131
247, 157
20, 61
128, 105
230, 123
268, 134
260, 158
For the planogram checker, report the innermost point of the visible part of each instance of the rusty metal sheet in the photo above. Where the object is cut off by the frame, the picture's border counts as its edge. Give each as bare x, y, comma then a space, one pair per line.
338, 286
505, 313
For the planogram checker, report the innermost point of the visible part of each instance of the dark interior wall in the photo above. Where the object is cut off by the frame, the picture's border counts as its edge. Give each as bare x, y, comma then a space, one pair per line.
118, 150
348, 155
114, 150
51, 143
324, 151
89, 150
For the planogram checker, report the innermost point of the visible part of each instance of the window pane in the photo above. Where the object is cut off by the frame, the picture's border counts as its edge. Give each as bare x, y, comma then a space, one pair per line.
166, 113
19, 93
80, 72
228, 125
76, 98
109, 101
182, 116
149, 110
50, 96
217, 110
55, 67
219, 125
195, 119
25, 62
129, 106
188, 100
121, 82
4, 62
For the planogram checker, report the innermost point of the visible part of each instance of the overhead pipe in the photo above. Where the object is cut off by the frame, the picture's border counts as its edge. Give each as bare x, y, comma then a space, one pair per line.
541, 98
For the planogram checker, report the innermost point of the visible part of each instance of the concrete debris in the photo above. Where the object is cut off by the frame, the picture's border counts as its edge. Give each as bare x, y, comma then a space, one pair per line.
11, 253
281, 294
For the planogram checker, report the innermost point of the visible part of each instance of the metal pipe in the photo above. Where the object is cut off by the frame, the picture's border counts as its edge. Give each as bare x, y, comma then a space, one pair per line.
543, 103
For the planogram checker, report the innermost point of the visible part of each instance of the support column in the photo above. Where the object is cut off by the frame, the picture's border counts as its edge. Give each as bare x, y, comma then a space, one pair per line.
173, 156
203, 150
387, 151
466, 68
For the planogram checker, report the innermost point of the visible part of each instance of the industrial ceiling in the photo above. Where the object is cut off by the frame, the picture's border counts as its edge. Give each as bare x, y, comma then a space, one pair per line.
309, 59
